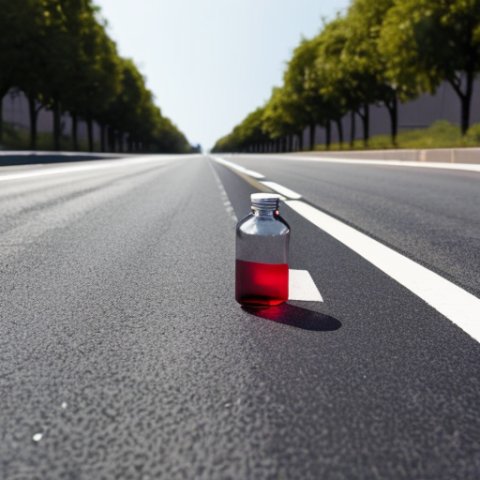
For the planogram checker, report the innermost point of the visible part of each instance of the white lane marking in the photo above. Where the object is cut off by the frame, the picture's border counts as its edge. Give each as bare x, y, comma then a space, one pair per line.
239, 168
393, 163
223, 195
302, 287
101, 165
282, 190
453, 302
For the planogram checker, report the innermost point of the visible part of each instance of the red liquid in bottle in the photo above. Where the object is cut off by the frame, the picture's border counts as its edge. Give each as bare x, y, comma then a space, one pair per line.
261, 283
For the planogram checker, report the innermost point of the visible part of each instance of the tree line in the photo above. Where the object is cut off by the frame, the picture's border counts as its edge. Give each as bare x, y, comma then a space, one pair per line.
379, 52
58, 53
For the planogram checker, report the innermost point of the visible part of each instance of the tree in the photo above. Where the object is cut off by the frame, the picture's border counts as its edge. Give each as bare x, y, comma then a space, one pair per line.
433, 40
11, 39
301, 84
22, 57
278, 118
367, 62
338, 85
249, 135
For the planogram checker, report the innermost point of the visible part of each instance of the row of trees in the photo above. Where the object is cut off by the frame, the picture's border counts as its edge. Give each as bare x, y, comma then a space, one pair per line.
59, 54
381, 52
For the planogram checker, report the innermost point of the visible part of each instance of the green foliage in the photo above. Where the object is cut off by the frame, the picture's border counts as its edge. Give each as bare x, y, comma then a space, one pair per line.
249, 132
441, 134
428, 41
473, 135
59, 54
379, 52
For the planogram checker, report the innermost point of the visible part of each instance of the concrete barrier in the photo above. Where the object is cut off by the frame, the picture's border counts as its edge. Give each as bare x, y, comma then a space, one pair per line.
450, 155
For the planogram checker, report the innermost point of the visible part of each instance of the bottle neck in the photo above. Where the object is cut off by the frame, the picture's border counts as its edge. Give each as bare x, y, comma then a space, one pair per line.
261, 212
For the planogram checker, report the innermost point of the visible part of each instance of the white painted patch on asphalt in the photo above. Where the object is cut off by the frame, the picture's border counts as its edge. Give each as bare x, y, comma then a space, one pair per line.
282, 190
302, 287
238, 168
92, 165
469, 167
224, 196
37, 437
458, 305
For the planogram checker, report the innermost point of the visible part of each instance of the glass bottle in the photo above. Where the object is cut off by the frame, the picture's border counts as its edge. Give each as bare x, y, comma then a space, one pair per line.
261, 269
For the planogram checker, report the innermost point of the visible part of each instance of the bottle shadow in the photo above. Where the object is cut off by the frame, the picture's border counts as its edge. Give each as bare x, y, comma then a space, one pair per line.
297, 317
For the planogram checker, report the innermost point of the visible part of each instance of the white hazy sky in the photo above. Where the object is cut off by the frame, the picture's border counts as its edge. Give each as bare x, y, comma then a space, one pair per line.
211, 62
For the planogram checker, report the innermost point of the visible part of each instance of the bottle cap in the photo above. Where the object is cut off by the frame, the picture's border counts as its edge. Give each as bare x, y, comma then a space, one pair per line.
265, 201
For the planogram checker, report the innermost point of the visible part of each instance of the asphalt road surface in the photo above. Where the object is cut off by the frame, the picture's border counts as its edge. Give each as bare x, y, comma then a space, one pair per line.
124, 355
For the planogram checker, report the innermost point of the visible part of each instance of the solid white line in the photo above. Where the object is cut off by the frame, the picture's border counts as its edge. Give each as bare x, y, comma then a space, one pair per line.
246, 171
92, 165
453, 302
392, 163
302, 287
282, 190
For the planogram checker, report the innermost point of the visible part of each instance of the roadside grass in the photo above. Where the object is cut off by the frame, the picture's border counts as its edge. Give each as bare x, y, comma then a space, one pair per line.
440, 134
17, 138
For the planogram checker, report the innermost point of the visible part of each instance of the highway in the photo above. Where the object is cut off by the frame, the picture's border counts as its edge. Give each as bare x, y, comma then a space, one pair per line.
123, 353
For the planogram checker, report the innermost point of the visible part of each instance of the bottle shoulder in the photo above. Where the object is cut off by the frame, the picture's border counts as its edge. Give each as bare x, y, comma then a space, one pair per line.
263, 225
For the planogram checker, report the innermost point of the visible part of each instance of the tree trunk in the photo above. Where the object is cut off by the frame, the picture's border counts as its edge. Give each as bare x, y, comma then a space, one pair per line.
465, 98
56, 125
352, 129
366, 124
340, 131
3, 93
102, 137
300, 140
111, 140
74, 131
313, 128
466, 102
32, 108
90, 134
120, 141
392, 108
328, 134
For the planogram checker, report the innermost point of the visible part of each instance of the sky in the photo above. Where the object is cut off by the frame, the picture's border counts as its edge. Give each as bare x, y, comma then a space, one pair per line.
211, 62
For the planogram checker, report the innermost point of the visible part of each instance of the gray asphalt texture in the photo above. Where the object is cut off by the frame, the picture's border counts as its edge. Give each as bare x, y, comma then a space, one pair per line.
121, 344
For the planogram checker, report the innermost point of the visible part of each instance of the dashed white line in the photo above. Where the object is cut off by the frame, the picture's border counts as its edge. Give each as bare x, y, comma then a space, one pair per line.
238, 168
302, 287
450, 300
282, 190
